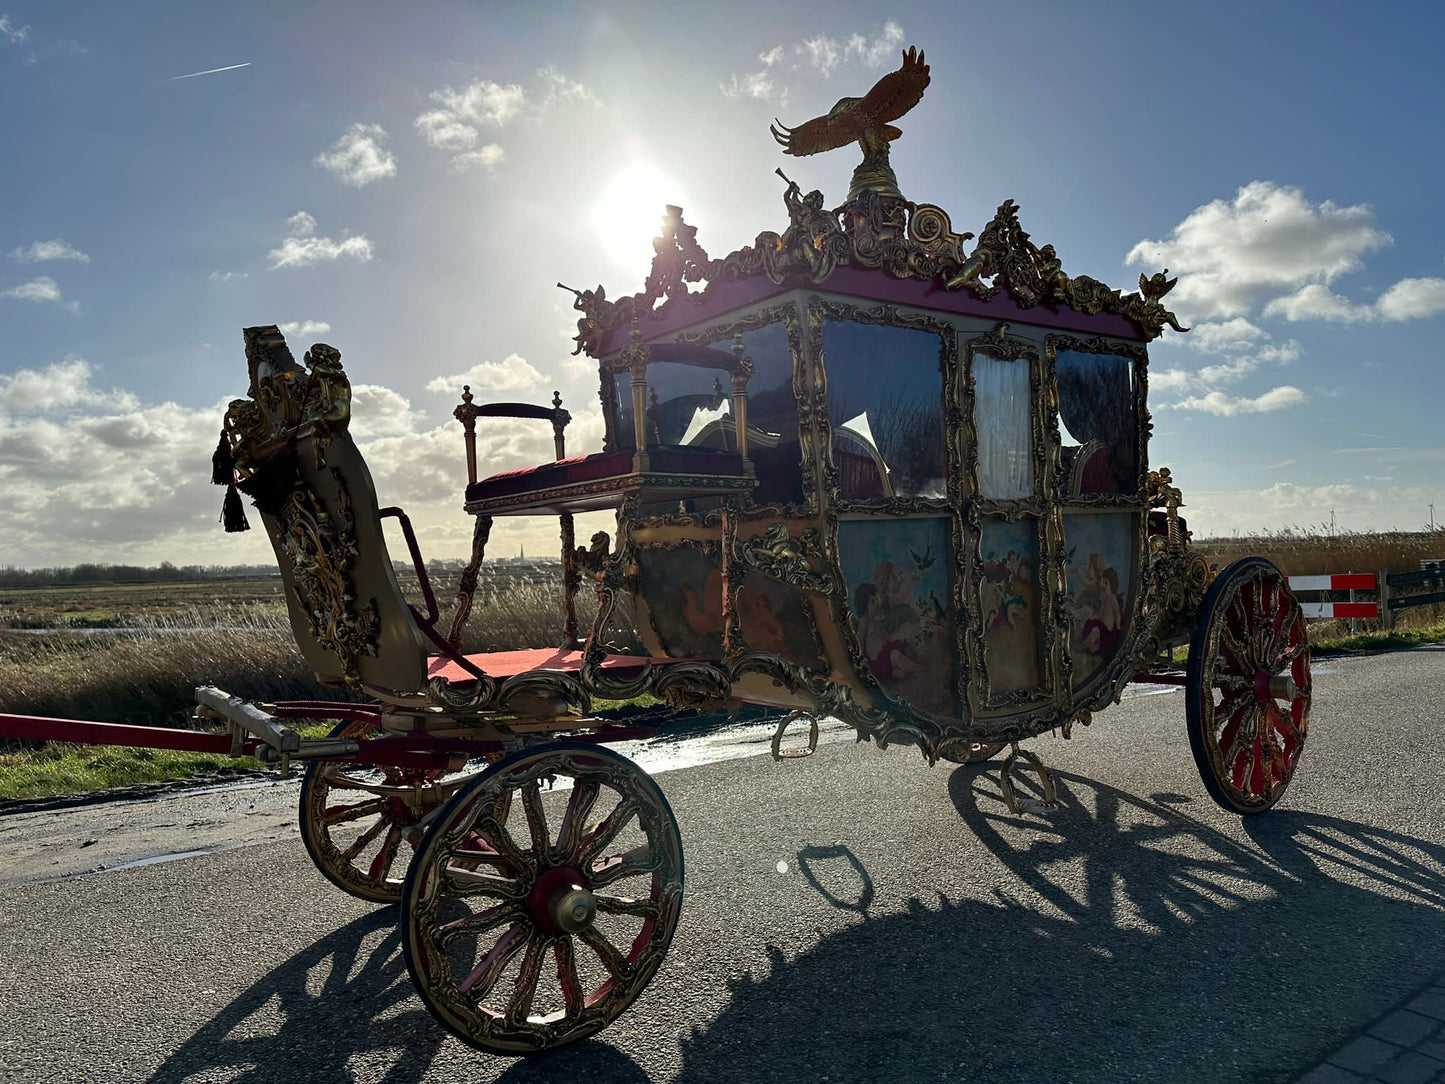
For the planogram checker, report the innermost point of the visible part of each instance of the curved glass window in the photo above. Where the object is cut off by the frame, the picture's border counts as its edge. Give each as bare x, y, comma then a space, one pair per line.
885, 406
1098, 423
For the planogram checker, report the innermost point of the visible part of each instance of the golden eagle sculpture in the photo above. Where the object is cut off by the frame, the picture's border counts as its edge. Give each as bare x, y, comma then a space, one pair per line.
863, 119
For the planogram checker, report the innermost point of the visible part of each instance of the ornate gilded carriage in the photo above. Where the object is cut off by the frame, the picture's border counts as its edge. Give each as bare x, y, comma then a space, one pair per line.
860, 468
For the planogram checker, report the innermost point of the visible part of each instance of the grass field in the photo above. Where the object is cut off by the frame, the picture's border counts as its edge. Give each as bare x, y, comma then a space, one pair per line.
133, 652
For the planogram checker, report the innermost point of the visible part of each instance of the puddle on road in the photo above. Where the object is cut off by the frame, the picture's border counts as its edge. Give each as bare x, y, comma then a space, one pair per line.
157, 859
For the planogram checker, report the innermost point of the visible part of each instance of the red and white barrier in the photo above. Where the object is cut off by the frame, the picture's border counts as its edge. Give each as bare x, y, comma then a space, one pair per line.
1368, 610
1351, 581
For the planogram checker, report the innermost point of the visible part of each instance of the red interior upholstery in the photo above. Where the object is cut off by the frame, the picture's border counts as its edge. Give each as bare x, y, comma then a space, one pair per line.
600, 465
505, 664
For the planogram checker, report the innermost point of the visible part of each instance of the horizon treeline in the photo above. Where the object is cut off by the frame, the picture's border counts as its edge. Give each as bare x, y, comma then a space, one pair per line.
166, 572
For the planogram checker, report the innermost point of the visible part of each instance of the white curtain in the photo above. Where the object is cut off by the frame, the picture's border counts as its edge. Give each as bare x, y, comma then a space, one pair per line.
1005, 434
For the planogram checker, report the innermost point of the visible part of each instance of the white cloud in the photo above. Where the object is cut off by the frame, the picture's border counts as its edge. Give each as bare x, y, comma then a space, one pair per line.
301, 224
488, 157
1317, 302
822, 52
56, 385
483, 102
1236, 334
759, 85
1412, 299
304, 249
1270, 238
444, 130
1286, 506
378, 411
358, 157
227, 276
302, 328
16, 35
879, 49
1217, 402
512, 372
561, 91
56, 249
456, 125
1408, 299
43, 288
817, 55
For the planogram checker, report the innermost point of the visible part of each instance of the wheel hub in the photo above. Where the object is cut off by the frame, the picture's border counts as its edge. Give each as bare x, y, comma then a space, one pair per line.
561, 903
1268, 686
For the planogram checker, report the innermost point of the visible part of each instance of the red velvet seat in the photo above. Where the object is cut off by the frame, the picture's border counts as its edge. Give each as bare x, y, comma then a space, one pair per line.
564, 474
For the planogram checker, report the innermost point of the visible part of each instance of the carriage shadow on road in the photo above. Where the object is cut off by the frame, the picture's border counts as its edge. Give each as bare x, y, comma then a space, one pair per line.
344, 1009
1123, 939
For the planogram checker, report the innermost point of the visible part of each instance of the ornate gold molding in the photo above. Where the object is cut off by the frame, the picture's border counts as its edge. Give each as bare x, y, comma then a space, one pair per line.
905, 239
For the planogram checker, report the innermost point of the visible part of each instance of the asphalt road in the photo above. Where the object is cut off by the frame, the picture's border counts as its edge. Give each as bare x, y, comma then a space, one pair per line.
853, 917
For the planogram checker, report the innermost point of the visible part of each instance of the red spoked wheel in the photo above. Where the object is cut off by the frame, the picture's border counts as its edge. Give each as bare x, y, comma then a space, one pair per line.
359, 822
533, 915
1248, 690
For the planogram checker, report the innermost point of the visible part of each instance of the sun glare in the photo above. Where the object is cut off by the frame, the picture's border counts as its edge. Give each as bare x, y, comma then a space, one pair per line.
628, 213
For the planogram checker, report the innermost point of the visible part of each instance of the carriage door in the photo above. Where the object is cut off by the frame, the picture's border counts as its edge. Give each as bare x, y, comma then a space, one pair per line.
1003, 467
1101, 495
883, 374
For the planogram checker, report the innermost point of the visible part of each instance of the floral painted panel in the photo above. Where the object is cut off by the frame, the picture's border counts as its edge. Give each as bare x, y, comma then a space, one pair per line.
1099, 560
903, 614
1009, 604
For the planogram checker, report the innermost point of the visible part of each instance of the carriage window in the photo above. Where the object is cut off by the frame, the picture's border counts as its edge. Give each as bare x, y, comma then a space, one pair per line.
1098, 423
885, 405
773, 416
1005, 427
681, 401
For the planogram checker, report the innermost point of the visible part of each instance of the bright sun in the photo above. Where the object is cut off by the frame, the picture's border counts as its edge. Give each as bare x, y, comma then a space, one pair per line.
628, 213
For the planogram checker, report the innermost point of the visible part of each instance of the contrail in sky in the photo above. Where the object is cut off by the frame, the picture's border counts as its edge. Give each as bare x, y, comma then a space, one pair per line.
210, 71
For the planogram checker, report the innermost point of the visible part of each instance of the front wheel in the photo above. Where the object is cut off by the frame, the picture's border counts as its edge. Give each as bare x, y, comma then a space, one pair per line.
530, 920
1248, 686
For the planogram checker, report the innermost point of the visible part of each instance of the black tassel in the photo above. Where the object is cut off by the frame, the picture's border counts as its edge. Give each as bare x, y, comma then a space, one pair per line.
233, 513
223, 467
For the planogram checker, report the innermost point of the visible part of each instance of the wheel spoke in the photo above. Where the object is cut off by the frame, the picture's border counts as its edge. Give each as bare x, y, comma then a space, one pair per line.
641, 859
520, 1003
605, 832
484, 976
621, 905
579, 807
348, 782
386, 857
617, 965
573, 997
362, 841
477, 925
536, 819
340, 814
461, 882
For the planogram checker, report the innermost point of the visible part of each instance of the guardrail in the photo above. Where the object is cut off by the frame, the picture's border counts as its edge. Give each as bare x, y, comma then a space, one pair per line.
1395, 591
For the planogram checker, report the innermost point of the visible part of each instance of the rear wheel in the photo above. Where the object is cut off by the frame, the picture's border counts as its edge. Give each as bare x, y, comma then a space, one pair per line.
1248, 686
359, 821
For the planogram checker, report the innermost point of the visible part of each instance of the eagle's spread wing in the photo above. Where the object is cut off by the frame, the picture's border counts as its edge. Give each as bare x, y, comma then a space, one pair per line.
838, 128
897, 92
892, 96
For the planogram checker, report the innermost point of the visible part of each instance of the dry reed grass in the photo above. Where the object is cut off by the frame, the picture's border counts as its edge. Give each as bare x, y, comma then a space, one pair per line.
148, 673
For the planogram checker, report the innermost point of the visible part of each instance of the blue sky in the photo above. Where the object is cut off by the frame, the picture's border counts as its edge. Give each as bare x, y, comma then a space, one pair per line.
407, 182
